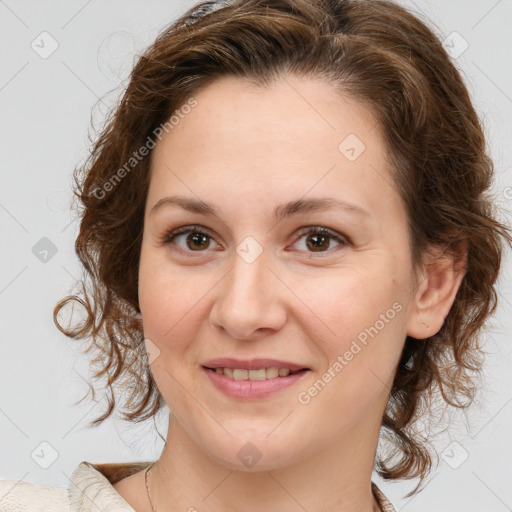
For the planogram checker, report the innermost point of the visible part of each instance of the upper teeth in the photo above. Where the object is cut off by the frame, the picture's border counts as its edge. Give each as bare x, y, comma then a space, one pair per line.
261, 374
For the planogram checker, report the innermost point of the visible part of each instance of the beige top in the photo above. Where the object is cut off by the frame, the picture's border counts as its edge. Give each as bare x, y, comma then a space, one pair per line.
90, 490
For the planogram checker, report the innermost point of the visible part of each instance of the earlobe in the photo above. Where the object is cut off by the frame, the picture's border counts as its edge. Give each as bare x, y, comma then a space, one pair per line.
436, 291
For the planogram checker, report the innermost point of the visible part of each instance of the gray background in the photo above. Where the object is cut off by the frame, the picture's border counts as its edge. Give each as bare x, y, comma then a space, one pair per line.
46, 103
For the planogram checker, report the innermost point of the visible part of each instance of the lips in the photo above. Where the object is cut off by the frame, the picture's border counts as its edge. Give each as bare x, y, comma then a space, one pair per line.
253, 379
252, 364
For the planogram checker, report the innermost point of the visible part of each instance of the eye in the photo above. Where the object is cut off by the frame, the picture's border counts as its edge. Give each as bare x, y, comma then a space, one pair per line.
197, 239
318, 239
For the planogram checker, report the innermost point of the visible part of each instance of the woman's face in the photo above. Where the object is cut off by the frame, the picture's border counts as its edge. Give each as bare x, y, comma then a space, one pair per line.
254, 281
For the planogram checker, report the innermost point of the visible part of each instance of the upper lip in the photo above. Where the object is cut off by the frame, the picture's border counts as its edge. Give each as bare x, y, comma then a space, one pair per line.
252, 364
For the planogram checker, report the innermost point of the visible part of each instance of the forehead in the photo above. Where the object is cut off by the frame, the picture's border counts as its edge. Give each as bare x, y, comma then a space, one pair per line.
238, 110
295, 136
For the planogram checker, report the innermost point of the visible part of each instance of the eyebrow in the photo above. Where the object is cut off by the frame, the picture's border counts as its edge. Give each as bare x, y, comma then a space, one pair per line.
280, 212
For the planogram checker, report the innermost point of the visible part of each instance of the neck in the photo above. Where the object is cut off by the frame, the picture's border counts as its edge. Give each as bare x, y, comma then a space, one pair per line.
335, 479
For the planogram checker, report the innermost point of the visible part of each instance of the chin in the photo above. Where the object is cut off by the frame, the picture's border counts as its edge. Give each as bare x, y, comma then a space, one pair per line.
254, 455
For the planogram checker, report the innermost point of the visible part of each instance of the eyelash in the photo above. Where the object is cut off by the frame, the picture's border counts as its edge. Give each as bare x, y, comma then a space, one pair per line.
169, 237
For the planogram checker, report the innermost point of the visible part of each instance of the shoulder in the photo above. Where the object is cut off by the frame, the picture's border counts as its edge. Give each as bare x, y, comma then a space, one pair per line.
18, 496
90, 490
91, 486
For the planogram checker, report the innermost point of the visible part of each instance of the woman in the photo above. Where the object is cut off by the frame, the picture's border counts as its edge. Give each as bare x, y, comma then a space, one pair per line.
286, 231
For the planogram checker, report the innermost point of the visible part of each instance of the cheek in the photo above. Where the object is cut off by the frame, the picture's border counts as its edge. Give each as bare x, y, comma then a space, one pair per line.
363, 319
169, 300
352, 306
171, 310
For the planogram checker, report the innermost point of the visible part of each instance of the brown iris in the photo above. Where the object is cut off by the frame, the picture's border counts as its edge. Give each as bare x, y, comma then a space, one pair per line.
316, 245
197, 238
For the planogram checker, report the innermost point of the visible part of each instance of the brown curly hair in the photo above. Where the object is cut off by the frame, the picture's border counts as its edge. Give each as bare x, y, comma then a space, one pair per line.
374, 51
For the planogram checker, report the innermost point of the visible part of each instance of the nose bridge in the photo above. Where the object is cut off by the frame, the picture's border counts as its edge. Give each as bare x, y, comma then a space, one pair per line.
247, 300
245, 286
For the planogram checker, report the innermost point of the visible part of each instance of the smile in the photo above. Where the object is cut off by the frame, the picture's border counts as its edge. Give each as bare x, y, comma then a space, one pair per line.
260, 374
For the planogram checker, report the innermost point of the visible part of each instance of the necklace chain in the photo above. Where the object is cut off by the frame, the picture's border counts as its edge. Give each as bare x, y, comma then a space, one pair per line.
146, 475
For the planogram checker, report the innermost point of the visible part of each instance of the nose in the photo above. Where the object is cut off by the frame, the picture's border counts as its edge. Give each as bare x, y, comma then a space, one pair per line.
250, 300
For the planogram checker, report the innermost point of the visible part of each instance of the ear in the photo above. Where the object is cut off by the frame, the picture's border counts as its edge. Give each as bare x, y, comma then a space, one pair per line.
437, 286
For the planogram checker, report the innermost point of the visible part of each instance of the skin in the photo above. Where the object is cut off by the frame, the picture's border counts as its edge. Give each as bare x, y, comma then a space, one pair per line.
247, 150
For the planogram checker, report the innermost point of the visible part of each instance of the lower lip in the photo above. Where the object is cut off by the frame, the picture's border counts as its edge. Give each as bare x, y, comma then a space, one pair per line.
252, 389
